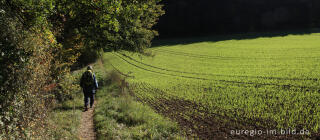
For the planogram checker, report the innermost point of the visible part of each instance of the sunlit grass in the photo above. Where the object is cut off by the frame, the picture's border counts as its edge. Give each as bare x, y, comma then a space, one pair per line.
65, 119
120, 117
268, 78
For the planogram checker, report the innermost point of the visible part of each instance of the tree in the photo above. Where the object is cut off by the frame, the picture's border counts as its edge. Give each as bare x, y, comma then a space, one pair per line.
41, 39
106, 24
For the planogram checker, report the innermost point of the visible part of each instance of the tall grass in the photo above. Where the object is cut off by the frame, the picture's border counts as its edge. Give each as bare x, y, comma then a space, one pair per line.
65, 119
119, 116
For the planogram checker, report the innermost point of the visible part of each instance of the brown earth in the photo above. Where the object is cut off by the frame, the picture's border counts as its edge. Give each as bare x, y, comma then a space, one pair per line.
198, 123
86, 130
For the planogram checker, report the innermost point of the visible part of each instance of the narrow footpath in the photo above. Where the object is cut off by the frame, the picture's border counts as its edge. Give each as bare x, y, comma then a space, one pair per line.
86, 130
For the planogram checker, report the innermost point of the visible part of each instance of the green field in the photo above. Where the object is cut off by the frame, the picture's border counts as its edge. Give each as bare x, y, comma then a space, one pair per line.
267, 82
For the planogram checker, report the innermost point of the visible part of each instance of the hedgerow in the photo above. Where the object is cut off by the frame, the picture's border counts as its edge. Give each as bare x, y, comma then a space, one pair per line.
41, 40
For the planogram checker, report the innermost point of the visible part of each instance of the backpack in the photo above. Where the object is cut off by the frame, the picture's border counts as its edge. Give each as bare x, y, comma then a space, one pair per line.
87, 79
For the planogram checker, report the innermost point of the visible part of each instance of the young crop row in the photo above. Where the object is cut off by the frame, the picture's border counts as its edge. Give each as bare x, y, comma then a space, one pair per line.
242, 101
276, 86
255, 80
201, 56
210, 74
263, 110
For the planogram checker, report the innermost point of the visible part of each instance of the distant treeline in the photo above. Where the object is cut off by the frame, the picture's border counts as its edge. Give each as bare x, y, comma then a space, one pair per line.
198, 17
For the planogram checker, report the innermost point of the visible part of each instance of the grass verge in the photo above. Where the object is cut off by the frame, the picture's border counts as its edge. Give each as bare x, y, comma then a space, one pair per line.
119, 116
65, 119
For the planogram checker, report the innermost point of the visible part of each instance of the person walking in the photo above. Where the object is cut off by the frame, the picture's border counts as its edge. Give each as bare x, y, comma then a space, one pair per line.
89, 85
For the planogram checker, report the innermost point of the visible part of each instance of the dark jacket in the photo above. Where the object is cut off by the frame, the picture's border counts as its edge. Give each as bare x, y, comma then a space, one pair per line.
94, 85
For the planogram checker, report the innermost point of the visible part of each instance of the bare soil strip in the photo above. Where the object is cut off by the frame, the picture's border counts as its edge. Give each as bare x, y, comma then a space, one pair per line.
200, 124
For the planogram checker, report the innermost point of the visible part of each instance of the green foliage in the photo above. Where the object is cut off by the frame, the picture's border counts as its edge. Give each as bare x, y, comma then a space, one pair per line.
89, 26
31, 13
68, 86
27, 69
136, 19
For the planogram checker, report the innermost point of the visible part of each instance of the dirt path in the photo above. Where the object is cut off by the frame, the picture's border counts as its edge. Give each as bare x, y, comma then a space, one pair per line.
86, 131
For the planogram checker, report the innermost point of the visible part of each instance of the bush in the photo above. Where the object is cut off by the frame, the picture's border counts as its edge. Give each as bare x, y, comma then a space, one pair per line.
28, 70
25, 94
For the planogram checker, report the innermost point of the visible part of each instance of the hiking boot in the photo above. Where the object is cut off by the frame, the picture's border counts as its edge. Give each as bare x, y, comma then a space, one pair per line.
85, 109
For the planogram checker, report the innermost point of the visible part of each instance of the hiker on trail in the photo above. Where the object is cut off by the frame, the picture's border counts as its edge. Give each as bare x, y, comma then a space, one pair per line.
89, 84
